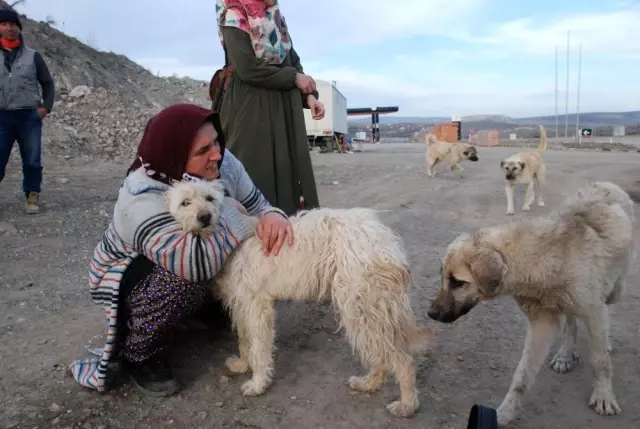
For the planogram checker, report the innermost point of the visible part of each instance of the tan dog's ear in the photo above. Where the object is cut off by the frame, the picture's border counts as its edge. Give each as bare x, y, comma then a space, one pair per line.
488, 269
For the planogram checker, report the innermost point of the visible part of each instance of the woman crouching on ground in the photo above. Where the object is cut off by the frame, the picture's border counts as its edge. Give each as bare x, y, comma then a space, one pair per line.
146, 272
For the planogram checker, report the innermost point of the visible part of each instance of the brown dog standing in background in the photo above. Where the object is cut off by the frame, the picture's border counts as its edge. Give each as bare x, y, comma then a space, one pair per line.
453, 153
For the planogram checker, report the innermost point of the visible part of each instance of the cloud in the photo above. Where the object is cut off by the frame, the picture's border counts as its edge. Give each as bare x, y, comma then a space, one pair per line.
429, 57
612, 32
329, 25
168, 66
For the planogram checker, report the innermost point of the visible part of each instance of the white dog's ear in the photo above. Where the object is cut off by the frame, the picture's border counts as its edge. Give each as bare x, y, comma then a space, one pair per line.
488, 269
167, 200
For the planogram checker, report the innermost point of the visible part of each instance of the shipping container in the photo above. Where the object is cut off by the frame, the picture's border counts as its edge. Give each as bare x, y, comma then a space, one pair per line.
324, 133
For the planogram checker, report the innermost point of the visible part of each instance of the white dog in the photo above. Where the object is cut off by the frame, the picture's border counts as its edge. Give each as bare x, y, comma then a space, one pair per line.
347, 257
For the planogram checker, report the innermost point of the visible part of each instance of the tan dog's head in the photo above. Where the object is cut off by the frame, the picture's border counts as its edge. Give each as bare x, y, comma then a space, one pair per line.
195, 205
471, 272
469, 152
512, 168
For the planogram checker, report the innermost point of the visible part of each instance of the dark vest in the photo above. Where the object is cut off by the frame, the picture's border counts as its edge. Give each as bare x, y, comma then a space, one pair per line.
19, 87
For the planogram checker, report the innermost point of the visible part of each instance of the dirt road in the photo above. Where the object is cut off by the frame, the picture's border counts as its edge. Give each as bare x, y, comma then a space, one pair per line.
47, 319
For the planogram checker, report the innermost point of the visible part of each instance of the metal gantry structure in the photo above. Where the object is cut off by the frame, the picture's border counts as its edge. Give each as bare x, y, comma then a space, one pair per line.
375, 113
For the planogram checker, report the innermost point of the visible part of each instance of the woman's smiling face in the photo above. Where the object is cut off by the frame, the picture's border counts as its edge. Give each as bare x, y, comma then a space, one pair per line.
205, 153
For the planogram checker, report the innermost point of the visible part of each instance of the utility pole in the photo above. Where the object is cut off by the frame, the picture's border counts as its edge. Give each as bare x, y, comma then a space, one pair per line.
557, 136
566, 113
578, 101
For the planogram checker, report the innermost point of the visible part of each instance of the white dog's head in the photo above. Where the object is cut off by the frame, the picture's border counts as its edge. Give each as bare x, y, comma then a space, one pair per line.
195, 205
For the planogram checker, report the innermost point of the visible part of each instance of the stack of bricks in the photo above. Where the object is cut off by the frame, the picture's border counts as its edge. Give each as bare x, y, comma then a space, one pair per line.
446, 132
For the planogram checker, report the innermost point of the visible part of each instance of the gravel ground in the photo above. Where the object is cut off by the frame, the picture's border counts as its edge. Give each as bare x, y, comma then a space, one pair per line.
47, 318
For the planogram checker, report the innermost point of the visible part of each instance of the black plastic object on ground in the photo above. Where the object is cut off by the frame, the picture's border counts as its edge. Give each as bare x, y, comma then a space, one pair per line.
482, 417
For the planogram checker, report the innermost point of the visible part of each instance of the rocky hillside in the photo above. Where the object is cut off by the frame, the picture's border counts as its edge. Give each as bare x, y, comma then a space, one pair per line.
103, 99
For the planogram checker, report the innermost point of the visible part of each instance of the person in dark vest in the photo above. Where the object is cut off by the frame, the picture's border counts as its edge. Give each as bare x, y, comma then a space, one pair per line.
22, 110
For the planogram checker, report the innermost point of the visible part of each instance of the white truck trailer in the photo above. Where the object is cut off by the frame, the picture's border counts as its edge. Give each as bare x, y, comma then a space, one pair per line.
325, 132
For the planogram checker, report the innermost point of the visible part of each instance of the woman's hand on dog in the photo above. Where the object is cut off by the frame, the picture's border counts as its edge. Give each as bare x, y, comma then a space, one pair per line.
272, 230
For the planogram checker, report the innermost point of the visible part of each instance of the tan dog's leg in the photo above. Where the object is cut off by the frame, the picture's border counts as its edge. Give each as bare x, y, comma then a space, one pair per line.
509, 191
371, 382
456, 164
261, 332
566, 359
539, 184
603, 400
540, 334
529, 197
431, 163
406, 375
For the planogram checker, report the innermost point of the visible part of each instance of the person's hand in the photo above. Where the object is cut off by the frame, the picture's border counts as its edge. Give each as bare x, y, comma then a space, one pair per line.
305, 83
316, 107
42, 112
272, 230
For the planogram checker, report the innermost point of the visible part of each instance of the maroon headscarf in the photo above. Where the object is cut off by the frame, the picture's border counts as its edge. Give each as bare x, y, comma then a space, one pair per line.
167, 140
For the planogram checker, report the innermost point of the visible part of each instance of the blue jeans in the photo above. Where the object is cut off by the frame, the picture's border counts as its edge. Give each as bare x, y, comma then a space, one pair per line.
25, 126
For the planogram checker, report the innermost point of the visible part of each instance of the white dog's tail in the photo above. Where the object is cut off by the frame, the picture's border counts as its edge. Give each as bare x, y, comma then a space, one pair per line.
430, 139
543, 139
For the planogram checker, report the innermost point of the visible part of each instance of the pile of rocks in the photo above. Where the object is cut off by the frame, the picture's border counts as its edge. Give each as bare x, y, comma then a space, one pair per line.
99, 122
103, 99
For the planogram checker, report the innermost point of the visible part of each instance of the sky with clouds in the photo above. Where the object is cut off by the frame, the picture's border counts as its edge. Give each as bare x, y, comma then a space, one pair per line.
429, 57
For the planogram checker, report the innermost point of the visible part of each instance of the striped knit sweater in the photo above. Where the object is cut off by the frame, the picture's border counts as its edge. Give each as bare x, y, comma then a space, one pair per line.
142, 226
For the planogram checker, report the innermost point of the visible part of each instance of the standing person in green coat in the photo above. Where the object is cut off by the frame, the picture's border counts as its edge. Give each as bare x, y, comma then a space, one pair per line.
262, 108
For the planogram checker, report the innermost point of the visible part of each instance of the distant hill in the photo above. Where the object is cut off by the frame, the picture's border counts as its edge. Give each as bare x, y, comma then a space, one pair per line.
505, 122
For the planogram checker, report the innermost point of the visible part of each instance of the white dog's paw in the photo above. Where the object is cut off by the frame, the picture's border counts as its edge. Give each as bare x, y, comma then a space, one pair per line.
561, 363
526, 208
510, 212
400, 409
604, 403
540, 203
237, 365
254, 387
505, 416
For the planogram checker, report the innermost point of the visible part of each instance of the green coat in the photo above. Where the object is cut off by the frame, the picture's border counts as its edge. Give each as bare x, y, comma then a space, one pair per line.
263, 123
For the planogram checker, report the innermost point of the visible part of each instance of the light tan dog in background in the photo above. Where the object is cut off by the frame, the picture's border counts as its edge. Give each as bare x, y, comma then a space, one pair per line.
347, 257
453, 153
565, 266
527, 168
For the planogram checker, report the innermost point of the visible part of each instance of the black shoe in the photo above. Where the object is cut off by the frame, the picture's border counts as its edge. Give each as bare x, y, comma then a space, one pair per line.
153, 377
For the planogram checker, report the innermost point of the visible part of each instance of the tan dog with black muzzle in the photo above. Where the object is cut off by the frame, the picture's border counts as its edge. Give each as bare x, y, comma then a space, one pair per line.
527, 168
562, 267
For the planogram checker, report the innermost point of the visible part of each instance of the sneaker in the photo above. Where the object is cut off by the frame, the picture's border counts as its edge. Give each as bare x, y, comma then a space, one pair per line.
153, 377
31, 207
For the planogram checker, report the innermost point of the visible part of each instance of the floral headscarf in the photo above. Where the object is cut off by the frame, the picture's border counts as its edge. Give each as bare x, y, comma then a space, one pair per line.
264, 25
